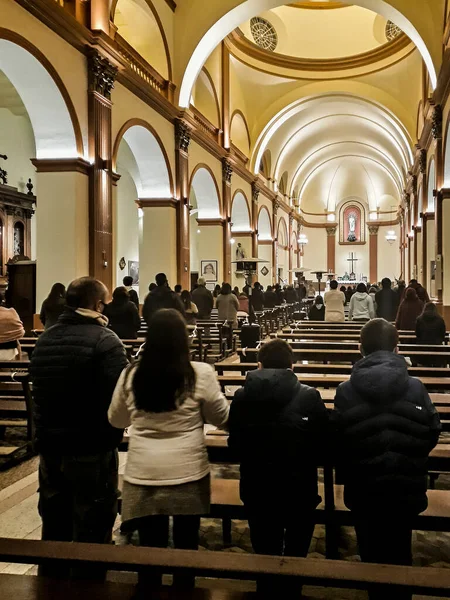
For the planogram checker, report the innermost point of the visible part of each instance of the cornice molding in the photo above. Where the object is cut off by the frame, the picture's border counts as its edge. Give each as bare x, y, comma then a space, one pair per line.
238, 40
318, 5
62, 165
157, 202
211, 222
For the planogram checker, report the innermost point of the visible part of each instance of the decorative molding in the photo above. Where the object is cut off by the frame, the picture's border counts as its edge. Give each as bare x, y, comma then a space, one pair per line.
211, 222
171, 4
101, 74
423, 161
182, 135
115, 178
227, 170
276, 207
157, 202
255, 193
318, 5
62, 165
331, 231
291, 219
373, 229
436, 122
406, 197
238, 40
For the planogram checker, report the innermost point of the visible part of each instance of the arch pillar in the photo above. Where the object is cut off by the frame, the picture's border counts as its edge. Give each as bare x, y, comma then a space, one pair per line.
373, 253
291, 246
331, 248
182, 142
227, 173
276, 206
62, 234
254, 224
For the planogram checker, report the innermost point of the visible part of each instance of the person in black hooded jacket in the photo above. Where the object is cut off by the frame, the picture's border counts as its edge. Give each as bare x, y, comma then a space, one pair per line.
276, 428
386, 427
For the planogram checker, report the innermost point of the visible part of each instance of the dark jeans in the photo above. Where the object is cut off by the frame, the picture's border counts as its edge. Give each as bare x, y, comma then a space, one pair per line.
385, 541
154, 533
280, 535
78, 502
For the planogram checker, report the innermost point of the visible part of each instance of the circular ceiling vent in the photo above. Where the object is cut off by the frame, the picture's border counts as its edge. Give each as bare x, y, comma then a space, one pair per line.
392, 31
264, 33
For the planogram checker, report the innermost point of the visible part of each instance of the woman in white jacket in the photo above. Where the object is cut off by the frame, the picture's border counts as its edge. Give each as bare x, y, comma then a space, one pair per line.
334, 301
165, 400
361, 305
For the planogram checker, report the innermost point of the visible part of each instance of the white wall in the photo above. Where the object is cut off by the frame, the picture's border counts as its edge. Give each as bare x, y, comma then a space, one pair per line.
388, 255
431, 254
17, 142
315, 256
265, 253
127, 225
246, 242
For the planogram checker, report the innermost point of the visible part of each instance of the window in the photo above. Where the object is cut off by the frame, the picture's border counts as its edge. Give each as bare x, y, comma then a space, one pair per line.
264, 33
392, 31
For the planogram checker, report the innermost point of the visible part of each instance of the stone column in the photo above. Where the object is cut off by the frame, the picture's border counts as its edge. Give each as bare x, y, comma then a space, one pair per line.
157, 240
226, 95
62, 232
227, 173
291, 246
373, 252
100, 10
276, 206
255, 208
182, 141
101, 76
331, 249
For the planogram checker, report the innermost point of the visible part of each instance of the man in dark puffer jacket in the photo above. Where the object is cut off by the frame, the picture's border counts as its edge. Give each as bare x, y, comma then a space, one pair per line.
276, 429
387, 426
74, 369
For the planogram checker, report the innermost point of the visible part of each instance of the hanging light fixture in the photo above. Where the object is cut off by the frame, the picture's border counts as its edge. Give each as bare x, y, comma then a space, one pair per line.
391, 236
302, 239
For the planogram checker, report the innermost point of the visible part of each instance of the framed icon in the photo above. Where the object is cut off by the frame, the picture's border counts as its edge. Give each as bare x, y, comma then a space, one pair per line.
208, 270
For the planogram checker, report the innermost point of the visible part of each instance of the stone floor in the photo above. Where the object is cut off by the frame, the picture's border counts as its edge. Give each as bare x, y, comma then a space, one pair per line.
19, 519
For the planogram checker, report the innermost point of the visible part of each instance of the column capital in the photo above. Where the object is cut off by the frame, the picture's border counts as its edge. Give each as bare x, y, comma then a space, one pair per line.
331, 231
101, 74
182, 135
436, 122
227, 170
373, 229
291, 219
255, 193
276, 206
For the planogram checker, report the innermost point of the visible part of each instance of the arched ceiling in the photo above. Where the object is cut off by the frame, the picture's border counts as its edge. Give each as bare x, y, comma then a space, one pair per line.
336, 145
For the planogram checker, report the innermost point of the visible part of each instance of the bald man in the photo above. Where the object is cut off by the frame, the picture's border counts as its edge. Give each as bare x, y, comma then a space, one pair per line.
74, 368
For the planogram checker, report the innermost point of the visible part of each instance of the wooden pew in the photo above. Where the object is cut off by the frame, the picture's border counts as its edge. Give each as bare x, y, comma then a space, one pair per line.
335, 336
221, 565
15, 410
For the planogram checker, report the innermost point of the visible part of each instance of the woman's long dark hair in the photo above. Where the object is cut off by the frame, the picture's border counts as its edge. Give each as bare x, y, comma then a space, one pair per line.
186, 299
164, 377
58, 291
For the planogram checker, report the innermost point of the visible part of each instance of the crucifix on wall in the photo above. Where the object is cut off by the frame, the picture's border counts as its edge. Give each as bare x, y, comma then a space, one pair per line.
352, 258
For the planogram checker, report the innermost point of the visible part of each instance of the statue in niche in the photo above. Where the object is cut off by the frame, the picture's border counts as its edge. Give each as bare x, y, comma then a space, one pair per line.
240, 252
351, 227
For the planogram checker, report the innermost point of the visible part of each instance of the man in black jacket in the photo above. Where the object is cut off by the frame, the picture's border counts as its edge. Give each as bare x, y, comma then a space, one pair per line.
387, 426
387, 301
270, 298
203, 299
276, 429
161, 297
74, 370
134, 298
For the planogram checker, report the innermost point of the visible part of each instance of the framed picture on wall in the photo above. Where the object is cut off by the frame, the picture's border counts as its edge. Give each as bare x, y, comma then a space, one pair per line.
133, 271
208, 270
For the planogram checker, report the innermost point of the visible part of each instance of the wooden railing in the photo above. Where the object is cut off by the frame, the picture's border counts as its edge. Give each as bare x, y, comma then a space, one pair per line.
140, 66
205, 125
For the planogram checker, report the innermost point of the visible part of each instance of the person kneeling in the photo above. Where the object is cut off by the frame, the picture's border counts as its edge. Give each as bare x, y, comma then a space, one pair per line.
386, 427
276, 426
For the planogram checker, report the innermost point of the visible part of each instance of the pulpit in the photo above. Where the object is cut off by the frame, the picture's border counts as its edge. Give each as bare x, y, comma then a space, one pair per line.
21, 292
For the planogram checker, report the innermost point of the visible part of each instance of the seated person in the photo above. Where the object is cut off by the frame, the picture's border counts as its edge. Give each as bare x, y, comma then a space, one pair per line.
276, 427
386, 427
317, 310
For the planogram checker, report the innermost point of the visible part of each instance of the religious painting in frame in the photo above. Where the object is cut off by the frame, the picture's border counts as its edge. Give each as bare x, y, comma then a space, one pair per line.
352, 223
208, 270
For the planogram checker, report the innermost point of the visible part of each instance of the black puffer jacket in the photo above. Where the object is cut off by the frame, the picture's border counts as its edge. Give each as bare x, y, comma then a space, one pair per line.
74, 370
124, 319
161, 297
430, 329
277, 427
387, 426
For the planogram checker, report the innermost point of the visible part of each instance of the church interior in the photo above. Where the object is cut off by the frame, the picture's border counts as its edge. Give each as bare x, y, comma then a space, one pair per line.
186, 136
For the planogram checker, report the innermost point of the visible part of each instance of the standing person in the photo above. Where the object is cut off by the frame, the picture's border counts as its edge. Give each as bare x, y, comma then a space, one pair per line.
387, 301
190, 308
74, 370
408, 311
311, 291
301, 292
203, 299
276, 425
349, 293
122, 315
216, 293
235, 291
361, 305
334, 301
227, 305
291, 295
372, 293
53, 306
167, 399
430, 326
270, 298
178, 289
421, 292
400, 289
317, 310
387, 426
243, 303
11, 331
279, 294
257, 297
161, 297
343, 289
134, 298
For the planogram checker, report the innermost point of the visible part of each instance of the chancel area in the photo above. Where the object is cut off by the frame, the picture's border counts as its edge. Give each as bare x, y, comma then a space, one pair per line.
224, 299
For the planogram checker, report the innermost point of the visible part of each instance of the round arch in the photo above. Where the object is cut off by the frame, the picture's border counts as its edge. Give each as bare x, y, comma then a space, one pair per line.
49, 106
246, 10
214, 92
154, 179
207, 195
264, 225
238, 113
282, 233
160, 27
240, 212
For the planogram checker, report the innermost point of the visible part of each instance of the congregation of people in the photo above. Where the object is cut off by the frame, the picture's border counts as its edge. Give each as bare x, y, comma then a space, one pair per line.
380, 432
